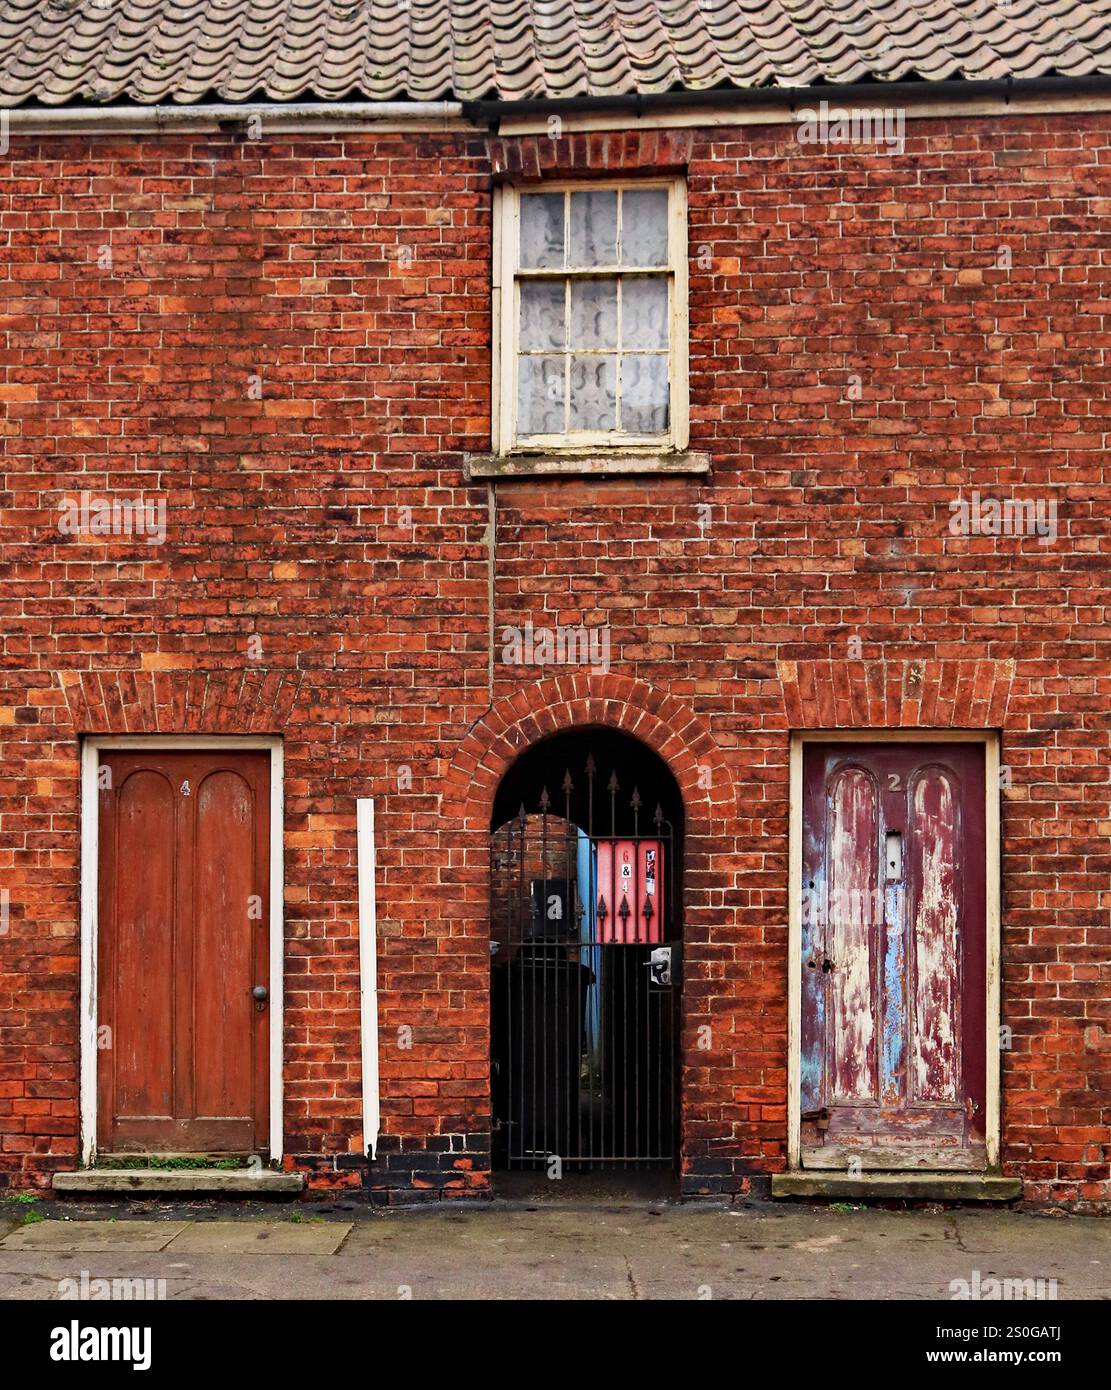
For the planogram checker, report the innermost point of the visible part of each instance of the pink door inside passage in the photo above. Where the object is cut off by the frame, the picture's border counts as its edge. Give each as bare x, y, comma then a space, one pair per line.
893, 1059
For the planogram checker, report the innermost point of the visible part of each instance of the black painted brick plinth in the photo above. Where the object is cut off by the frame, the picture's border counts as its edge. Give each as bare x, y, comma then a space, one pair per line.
722, 1179
451, 1166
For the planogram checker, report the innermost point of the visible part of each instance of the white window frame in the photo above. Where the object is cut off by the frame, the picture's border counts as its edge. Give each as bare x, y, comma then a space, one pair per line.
506, 317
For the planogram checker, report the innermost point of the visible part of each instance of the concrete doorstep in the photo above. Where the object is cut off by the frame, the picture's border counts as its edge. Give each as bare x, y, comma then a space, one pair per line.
937, 1187
245, 1182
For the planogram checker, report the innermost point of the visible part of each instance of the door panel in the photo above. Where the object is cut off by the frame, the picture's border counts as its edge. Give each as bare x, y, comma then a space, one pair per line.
183, 939
935, 1020
143, 949
893, 962
852, 987
223, 877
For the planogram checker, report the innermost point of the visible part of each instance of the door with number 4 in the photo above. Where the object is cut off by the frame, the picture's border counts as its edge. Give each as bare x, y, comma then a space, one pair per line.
183, 951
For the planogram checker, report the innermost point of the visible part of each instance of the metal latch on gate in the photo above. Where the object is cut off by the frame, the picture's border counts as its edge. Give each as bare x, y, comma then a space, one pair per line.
817, 1117
662, 964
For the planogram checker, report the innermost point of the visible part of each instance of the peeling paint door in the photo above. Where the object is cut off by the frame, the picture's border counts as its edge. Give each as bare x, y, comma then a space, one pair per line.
893, 956
183, 944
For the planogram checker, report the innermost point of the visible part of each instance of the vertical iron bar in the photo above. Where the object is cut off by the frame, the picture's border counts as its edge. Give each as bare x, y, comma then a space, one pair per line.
596, 971
572, 1046
543, 983
666, 1010
609, 1003
516, 1125
624, 958
596, 964
639, 1042
673, 1067
668, 1061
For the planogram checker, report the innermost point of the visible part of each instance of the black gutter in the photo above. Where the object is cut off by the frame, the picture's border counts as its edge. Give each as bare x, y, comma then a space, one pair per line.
490, 112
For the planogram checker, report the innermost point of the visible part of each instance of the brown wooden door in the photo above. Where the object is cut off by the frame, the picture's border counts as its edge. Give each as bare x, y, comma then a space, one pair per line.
894, 948
184, 912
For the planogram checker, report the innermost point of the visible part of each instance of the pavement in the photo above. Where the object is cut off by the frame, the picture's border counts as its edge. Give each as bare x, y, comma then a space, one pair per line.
543, 1250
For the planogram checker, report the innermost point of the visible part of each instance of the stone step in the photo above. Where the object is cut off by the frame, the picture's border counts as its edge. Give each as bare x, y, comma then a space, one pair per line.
236, 1182
940, 1187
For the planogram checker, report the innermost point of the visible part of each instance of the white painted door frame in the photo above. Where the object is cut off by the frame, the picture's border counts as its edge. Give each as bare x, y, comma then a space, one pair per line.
993, 1019
91, 748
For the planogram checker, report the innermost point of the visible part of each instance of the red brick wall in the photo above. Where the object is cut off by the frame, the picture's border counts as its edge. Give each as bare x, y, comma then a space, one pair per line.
290, 344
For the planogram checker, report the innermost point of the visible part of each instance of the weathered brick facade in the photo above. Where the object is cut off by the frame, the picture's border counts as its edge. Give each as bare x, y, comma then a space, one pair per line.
288, 340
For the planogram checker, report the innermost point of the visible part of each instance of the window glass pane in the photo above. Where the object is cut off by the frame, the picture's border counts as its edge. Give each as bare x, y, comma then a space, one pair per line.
644, 311
594, 313
540, 395
593, 393
644, 395
542, 314
541, 230
593, 228
644, 226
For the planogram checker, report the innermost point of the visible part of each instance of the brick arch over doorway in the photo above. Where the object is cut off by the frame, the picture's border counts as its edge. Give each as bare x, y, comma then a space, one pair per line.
719, 1023
666, 725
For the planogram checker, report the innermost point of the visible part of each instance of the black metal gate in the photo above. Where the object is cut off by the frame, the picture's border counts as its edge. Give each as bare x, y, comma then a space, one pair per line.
584, 980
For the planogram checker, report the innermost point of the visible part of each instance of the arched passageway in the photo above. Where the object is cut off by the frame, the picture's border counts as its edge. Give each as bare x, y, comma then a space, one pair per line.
586, 931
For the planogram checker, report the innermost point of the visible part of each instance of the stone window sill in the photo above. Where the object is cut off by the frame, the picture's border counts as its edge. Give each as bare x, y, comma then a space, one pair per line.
585, 465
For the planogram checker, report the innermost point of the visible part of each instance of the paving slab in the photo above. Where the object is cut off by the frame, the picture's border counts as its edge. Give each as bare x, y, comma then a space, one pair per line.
260, 1238
1090, 1235
93, 1236
9, 1223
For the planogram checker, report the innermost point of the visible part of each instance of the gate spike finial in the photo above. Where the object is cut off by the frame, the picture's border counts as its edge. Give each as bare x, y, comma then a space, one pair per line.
658, 818
613, 785
522, 815
568, 785
545, 799
589, 768
634, 800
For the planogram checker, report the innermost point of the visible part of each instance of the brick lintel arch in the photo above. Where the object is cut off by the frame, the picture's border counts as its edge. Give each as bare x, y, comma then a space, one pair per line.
181, 701
666, 725
932, 693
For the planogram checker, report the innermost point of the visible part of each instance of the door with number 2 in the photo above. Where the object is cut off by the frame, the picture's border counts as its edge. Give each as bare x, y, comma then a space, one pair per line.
183, 951
893, 1038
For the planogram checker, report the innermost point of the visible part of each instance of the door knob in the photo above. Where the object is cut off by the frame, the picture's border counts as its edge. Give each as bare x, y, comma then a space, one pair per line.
260, 993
